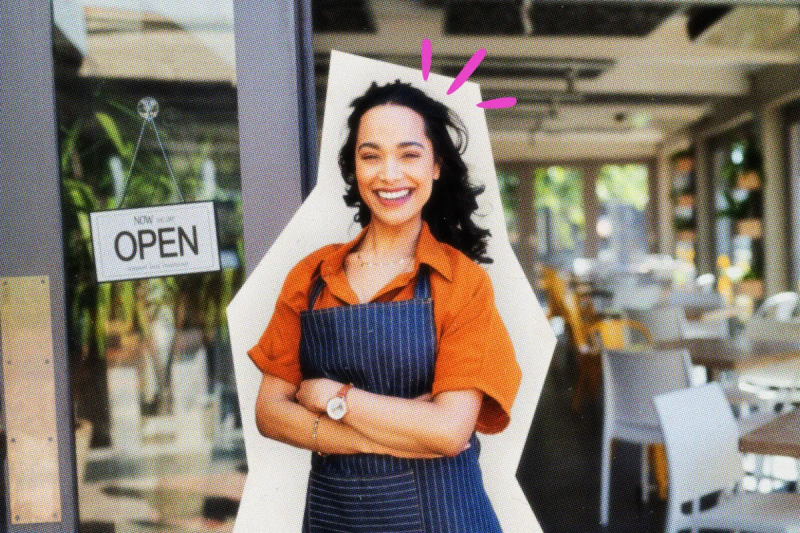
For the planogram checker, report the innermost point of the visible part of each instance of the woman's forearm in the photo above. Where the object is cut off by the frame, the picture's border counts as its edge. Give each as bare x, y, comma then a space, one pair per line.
291, 423
441, 426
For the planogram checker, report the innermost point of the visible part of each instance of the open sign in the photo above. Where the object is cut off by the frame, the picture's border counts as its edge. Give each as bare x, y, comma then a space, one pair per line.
149, 242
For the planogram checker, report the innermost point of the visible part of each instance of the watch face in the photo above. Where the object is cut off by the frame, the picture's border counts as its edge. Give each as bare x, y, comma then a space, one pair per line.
336, 408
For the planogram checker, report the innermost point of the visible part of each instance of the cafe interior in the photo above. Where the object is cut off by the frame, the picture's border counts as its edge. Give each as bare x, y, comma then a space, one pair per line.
650, 176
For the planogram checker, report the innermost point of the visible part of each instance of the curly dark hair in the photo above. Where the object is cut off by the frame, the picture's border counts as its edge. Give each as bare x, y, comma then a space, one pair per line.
453, 199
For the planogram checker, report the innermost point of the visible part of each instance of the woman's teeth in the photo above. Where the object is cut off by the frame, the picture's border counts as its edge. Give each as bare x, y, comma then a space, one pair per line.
394, 195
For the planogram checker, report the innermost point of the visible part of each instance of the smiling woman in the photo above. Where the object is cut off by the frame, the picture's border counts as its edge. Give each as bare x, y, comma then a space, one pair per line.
429, 140
386, 354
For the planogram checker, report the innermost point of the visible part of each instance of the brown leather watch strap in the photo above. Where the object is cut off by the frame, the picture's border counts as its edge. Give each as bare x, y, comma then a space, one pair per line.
344, 390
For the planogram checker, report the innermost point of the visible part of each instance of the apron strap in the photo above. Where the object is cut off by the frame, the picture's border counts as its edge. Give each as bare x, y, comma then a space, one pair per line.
422, 290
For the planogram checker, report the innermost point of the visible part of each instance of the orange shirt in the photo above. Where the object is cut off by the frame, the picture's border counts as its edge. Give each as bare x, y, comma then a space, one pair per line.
473, 346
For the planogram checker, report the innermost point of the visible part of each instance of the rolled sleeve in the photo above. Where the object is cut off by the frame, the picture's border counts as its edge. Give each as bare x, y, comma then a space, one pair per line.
278, 351
475, 352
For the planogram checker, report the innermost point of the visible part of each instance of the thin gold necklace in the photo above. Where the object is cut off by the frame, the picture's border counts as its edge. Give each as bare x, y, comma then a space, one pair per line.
393, 262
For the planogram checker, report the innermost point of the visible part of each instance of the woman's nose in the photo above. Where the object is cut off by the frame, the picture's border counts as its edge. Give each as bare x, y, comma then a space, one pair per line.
393, 171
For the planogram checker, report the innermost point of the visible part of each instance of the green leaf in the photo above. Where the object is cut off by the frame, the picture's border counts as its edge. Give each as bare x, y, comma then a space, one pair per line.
112, 131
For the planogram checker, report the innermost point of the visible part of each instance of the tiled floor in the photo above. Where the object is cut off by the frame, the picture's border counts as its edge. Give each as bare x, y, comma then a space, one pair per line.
138, 503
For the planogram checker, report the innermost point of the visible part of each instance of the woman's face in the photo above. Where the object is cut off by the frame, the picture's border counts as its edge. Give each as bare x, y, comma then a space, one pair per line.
395, 163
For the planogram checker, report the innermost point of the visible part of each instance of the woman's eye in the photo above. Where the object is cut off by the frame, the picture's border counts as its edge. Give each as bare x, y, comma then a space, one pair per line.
411, 155
368, 157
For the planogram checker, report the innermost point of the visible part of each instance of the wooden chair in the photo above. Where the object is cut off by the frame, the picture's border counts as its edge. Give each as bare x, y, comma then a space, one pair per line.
613, 333
563, 303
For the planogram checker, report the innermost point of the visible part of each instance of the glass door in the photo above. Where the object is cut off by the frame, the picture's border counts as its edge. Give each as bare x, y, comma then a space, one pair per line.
150, 362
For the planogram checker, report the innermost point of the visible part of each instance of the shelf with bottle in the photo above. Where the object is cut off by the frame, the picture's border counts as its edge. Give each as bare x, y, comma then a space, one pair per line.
683, 184
749, 180
750, 227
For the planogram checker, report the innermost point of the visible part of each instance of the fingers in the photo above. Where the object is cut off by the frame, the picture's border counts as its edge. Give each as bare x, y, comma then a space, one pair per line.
413, 455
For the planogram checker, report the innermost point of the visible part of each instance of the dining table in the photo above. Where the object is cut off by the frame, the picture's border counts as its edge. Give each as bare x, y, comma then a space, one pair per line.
736, 353
780, 436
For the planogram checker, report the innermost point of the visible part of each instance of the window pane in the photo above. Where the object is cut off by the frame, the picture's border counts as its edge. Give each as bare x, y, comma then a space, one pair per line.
560, 222
509, 181
622, 225
150, 360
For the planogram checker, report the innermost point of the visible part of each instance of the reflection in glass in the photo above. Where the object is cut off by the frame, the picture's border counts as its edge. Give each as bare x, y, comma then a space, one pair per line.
150, 360
622, 226
560, 220
509, 181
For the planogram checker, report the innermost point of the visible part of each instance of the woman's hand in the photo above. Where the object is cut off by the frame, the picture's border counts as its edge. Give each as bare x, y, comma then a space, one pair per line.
314, 394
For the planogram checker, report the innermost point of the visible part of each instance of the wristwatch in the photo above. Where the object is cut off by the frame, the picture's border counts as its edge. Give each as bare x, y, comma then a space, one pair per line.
337, 406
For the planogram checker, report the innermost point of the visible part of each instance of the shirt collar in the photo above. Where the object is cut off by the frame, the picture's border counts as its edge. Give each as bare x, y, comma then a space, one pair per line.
429, 251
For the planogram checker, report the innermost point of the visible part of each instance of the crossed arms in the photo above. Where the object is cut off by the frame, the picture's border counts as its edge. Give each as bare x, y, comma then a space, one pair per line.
422, 427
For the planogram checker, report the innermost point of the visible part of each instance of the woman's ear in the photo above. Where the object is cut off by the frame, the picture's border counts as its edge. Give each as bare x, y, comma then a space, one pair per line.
437, 168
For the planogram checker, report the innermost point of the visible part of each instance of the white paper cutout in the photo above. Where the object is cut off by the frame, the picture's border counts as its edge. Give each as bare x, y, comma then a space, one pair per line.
274, 495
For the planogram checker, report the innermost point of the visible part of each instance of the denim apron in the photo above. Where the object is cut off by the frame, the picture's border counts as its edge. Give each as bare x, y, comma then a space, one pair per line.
389, 349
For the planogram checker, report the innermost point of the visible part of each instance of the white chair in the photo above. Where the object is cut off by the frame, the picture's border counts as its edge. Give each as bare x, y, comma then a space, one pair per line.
631, 380
668, 323
702, 439
705, 282
778, 382
782, 307
665, 323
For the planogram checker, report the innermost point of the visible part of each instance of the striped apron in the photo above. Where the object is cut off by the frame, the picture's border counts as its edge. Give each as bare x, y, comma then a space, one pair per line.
389, 349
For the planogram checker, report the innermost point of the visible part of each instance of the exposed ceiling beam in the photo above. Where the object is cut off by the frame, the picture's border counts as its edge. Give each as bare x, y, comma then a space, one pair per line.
523, 67
594, 48
593, 99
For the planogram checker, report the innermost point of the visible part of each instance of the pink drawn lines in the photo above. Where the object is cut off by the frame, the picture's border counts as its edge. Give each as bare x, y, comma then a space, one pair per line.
467, 70
499, 103
426, 58
426, 54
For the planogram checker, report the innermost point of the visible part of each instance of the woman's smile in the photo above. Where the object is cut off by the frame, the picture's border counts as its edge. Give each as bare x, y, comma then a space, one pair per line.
394, 197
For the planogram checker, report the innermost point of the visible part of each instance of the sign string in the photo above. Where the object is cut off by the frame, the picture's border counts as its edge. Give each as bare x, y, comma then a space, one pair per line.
148, 117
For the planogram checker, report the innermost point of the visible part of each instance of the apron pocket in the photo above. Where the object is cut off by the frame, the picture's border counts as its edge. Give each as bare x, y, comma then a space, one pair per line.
376, 504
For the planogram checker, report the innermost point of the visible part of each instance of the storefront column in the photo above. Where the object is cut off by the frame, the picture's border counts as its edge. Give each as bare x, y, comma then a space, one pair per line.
664, 225
526, 218
653, 207
591, 208
776, 212
277, 116
705, 209
31, 234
